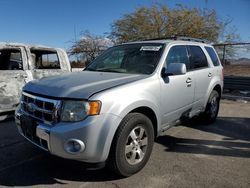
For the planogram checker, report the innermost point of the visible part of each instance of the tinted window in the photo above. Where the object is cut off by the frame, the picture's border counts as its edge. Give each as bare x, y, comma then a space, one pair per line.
178, 54
11, 59
197, 57
213, 56
45, 59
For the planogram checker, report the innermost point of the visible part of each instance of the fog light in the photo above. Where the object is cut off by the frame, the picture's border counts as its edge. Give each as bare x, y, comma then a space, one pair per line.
74, 146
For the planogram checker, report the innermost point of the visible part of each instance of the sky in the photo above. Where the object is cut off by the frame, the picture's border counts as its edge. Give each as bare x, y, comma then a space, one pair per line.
55, 22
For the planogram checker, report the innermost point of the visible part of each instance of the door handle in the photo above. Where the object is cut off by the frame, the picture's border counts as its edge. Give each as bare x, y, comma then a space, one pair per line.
209, 75
20, 76
189, 80
24, 76
16, 76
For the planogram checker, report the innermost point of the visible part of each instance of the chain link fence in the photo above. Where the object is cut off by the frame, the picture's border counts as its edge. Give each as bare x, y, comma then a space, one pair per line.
235, 58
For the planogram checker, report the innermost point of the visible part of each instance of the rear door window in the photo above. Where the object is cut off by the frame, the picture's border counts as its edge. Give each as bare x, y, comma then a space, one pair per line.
178, 54
45, 59
213, 56
198, 59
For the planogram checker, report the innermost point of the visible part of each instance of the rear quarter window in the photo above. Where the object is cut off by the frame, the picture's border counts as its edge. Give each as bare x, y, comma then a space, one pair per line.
213, 56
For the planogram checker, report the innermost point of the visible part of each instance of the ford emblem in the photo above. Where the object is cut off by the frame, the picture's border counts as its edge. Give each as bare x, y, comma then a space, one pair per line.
31, 107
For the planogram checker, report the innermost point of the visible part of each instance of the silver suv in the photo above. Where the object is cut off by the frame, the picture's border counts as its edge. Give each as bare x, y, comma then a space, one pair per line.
116, 107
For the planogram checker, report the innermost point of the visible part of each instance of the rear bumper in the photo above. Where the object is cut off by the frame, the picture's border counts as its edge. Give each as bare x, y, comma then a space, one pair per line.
96, 132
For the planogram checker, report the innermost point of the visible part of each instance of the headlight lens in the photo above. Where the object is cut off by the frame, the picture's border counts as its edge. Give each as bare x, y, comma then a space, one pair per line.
78, 110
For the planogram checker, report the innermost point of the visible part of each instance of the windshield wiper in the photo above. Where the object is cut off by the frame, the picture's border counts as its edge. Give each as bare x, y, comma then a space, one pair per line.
89, 69
109, 70
102, 70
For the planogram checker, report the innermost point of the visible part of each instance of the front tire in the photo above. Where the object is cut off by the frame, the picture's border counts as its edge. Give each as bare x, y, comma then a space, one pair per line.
132, 145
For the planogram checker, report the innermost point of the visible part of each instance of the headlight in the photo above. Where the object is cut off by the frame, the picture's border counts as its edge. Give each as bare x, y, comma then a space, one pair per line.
78, 110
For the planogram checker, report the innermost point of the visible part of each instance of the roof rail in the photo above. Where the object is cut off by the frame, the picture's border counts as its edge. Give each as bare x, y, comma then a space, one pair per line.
189, 39
180, 38
158, 38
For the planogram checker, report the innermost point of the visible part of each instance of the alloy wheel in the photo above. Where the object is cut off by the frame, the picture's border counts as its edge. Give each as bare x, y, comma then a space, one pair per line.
136, 145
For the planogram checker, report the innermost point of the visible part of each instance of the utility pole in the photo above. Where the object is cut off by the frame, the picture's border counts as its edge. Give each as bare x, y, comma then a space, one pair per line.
77, 59
223, 58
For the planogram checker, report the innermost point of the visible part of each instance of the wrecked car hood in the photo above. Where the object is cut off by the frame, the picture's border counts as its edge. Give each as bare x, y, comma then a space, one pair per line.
80, 85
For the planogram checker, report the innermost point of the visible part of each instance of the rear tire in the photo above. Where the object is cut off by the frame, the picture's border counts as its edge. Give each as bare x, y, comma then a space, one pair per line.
212, 108
132, 145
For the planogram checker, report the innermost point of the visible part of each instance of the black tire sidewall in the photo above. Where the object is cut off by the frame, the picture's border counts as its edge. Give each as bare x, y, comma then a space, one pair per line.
208, 114
136, 119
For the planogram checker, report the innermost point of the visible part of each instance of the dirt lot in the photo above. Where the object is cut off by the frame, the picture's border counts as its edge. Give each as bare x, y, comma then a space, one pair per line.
237, 70
191, 155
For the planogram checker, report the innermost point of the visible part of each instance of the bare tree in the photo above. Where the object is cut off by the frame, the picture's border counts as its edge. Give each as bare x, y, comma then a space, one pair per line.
89, 46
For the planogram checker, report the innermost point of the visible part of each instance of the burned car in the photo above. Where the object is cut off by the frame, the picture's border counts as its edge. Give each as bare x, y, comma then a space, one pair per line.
20, 63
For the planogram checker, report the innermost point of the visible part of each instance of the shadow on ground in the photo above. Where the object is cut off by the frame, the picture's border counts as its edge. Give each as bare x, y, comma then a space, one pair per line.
49, 170
235, 142
45, 169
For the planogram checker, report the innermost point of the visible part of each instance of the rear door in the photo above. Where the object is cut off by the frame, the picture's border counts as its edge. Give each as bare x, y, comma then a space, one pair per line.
177, 92
48, 62
13, 76
202, 72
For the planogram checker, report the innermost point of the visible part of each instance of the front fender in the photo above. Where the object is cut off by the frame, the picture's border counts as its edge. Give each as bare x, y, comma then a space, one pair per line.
121, 101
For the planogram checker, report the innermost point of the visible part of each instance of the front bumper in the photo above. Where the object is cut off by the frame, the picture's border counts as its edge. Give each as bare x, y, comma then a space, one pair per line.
96, 132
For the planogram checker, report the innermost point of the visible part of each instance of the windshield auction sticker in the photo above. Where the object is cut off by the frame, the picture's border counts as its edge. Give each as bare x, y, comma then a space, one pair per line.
150, 48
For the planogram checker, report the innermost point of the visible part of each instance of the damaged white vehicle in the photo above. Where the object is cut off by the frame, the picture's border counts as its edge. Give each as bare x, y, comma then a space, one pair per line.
20, 63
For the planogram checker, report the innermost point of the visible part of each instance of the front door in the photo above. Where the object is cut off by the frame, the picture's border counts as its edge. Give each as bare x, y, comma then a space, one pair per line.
177, 92
12, 77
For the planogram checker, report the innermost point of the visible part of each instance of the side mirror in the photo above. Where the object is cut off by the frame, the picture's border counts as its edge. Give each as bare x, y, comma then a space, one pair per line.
174, 69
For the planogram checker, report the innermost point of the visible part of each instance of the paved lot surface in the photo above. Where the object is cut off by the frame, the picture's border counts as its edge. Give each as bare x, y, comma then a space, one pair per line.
191, 155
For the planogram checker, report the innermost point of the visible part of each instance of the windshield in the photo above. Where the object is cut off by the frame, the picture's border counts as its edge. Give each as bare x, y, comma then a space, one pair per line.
128, 58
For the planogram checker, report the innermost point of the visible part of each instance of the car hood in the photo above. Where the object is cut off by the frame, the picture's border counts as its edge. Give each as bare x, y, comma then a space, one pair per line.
80, 85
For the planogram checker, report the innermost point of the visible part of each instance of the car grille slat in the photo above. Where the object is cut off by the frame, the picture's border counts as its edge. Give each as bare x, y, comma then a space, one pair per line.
40, 108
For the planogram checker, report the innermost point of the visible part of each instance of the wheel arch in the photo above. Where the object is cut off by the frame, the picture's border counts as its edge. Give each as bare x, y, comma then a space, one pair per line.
147, 111
218, 89
215, 86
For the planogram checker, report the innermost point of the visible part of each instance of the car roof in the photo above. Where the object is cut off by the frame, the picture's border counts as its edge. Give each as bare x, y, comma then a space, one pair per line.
12, 44
168, 41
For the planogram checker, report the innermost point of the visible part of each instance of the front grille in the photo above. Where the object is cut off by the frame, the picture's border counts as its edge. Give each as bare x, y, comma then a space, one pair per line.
42, 109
